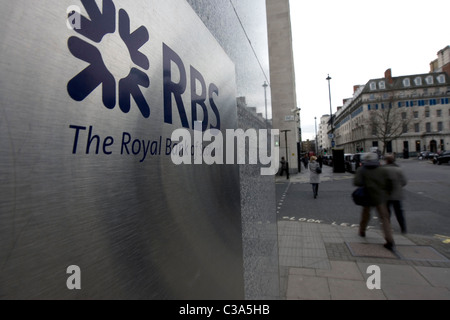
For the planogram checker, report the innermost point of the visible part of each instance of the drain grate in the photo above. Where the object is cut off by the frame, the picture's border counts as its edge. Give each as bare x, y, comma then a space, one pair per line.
374, 250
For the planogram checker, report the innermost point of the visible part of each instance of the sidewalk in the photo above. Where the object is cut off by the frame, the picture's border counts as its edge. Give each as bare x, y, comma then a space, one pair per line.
323, 261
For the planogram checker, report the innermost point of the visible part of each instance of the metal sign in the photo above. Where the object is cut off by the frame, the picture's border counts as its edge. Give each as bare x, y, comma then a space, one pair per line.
90, 94
289, 118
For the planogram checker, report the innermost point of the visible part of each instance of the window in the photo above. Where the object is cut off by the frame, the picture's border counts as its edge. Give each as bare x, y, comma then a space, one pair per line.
428, 127
389, 147
382, 85
416, 114
416, 127
405, 128
373, 86
429, 80
439, 113
440, 126
418, 145
427, 113
404, 115
406, 82
441, 78
418, 81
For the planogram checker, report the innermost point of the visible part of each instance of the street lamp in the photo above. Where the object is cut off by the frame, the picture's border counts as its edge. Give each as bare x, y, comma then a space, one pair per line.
287, 159
331, 113
299, 137
300, 144
265, 85
315, 123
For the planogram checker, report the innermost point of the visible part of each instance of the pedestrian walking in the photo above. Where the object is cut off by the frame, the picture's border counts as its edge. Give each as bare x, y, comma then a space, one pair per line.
314, 177
395, 196
283, 166
320, 161
377, 183
305, 161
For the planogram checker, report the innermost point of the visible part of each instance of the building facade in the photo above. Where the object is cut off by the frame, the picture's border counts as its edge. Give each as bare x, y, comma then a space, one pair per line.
442, 63
324, 143
417, 106
282, 81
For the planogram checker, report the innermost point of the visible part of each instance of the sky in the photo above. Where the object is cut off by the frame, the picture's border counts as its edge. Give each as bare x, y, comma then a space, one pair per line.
357, 40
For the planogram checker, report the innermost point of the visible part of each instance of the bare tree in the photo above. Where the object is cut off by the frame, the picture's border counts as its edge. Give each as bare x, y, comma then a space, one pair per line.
389, 123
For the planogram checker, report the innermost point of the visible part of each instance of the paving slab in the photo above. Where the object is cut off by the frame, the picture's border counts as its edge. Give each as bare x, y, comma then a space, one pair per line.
420, 253
317, 263
302, 287
438, 277
291, 261
302, 271
344, 289
395, 274
415, 292
342, 270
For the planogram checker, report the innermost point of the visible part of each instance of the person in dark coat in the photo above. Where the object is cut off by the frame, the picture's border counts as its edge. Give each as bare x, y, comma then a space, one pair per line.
320, 161
378, 184
395, 196
314, 177
305, 161
283, 166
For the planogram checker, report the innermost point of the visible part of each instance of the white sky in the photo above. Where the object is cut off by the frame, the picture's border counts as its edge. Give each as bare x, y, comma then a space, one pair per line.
357, 40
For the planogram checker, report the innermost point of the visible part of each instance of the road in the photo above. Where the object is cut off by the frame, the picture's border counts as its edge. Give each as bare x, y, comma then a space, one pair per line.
426, 203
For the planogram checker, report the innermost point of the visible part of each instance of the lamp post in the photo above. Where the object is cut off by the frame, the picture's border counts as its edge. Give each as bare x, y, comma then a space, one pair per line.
265, 85
315, 123
287, 159
331, 112
300, 144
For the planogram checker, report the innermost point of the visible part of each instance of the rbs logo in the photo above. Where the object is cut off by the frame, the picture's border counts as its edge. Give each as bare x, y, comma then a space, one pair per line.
103, 24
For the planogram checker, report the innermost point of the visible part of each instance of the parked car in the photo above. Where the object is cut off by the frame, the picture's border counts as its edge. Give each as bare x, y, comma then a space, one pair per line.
427, 155
328, 160
443, 158
348, 161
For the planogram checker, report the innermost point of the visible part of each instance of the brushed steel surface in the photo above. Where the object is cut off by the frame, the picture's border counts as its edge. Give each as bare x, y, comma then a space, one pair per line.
137, 230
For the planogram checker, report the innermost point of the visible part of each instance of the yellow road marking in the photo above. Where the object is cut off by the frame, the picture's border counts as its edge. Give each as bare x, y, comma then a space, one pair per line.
444, 239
